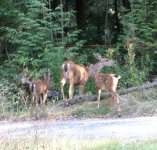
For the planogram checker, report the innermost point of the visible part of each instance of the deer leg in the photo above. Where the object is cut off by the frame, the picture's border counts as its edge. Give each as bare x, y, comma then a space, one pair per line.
62, 87
32, 100
45, 98
40, 99
71, 90
98, 98
37, 100
81, 86
115, 98
118, 106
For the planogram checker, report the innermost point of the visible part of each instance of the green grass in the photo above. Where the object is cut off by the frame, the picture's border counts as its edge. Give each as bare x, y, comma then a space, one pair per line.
73, 144
91, 109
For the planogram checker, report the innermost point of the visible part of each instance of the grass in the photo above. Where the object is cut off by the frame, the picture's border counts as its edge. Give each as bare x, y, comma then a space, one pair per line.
141, 103
74, 144
16, 106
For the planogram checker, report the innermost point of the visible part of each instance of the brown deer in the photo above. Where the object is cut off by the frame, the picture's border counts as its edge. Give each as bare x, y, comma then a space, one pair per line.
109, 82
76, 74
105, 81
38, 88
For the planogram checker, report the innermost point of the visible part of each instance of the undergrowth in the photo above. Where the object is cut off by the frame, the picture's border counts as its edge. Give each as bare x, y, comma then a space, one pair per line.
15, 104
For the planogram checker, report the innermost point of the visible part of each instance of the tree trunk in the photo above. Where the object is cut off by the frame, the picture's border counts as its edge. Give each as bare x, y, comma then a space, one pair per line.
80, 99
79, 4
54, 4
126, 4
117, 21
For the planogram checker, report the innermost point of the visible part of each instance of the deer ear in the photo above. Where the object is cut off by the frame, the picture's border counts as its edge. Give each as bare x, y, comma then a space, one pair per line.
97, 56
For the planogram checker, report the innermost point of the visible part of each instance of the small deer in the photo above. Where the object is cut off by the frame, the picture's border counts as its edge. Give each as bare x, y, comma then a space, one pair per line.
76, 74
109, 82
38, 88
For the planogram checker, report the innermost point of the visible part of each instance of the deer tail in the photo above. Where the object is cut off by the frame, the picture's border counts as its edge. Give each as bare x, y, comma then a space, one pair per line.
32, 87
66, 68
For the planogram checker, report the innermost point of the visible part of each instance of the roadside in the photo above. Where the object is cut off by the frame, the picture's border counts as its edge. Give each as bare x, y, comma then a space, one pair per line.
137, 104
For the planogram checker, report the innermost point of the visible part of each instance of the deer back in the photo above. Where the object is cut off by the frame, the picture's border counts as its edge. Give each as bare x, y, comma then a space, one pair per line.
106, 81
38, 86
74, 72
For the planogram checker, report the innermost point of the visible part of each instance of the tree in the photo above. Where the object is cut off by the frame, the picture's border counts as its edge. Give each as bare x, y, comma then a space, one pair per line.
35, 37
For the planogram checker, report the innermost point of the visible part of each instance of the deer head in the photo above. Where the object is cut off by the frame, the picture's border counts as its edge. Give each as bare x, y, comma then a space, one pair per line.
104, 61
95, 69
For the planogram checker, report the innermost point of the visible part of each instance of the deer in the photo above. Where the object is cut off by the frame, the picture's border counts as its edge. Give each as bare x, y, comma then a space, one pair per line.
107, 82
38, 88
78, 74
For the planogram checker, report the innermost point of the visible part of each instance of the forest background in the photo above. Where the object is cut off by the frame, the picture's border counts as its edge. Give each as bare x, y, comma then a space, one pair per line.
37, 35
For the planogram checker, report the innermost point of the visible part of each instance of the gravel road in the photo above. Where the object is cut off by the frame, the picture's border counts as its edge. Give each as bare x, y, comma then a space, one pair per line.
142, 128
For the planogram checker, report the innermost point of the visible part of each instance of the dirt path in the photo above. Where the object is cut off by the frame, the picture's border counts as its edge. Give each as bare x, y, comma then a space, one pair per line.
124, 129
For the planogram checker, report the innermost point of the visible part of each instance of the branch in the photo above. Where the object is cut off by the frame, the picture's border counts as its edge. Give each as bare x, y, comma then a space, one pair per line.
81, 99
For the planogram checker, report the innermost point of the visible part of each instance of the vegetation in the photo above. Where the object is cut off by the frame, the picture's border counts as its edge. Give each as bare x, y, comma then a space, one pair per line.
17, 107
70, 144
41, 34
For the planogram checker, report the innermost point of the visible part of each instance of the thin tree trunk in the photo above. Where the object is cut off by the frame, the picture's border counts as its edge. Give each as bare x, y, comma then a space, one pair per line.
106, 21
62, 24
81, 99
126, 4
80, 16
117, 21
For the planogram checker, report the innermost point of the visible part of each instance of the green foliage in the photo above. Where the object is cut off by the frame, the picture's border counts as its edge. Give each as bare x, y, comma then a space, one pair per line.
36, 39
86, 112
139, 34
13, 99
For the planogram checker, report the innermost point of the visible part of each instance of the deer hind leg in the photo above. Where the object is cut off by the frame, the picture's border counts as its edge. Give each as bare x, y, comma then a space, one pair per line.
37, 100
81, 86
62, 87
116, 99
45, 97
32, 100
71, 90
98, 97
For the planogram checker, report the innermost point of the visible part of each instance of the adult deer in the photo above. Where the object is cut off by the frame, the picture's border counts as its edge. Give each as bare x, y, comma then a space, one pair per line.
76, 74
38, 88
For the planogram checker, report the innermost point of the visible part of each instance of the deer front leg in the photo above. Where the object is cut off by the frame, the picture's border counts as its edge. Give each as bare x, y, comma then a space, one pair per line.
98, 98
45, 97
